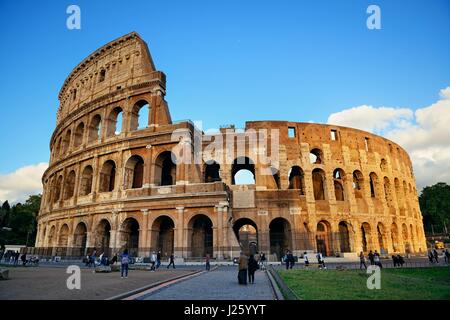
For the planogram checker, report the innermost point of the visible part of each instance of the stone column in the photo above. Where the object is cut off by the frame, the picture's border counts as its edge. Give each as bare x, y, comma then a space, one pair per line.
180, 244
143, 234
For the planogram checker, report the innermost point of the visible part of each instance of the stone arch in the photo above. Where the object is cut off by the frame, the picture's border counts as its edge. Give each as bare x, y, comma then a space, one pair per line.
358, 184
338, 182
201, 236
134, 172
69, 185
383, 165
165, 169
382, 237
78, 135
297, 179
86, 180
412, 238
102, 236
129, 235
80, 239
344, 237
66, 141
316, 156
51, 236
246, 232
388, 191
58, 189
324, 239
318, 179
242, 170
406, 243
394, 237
212, 171
58, 147
95, 128
163, 235
114, 122
140, 115
63, 240
373, 182
280, 236
108, 176
366, 237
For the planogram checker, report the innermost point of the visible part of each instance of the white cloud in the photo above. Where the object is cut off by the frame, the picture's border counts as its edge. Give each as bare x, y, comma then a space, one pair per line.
25, 181
424, 133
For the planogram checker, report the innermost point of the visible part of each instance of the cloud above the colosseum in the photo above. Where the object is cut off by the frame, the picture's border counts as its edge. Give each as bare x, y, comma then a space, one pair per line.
18, 185
424, 133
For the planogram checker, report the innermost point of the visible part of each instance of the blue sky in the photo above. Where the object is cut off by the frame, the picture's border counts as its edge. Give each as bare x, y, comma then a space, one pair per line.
226, 61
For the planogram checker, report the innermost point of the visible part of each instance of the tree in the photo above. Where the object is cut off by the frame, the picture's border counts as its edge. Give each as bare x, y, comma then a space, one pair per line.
4, 214
435, 205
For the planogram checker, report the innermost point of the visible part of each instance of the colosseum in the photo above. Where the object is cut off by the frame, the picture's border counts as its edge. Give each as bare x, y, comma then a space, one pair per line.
114, 181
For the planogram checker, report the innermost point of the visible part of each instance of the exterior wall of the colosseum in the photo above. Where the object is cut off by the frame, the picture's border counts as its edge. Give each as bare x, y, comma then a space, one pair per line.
109, 190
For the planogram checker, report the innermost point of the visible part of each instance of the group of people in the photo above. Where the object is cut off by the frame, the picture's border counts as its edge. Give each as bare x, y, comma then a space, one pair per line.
13, 257
247, 268
433, 256
374, 259
155, 260
289, 260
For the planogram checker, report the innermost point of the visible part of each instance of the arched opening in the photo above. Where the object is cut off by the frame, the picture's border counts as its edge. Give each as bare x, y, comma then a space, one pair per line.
134, 172
373, 182
280, 237
78, 136
79, 240
276, 183
365, 237
102, 237
108, 176
201, 236
95, 128
58, 188
114, 123
405, 239
130, 236
58, 147
86, 181
297, 179
381, 237
63, 239
411, 232
383, 165
212, 171
66, 142
165, 169
344, 237
243, 171
246, 232
316, 156
140, 115
51, 236
102, 75
318, 177
358, 183
338, 178
323, 238
394, 237
69, 187
163, 231
387, 192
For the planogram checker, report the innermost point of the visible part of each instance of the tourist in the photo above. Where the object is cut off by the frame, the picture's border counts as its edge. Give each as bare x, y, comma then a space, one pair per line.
394, 260
158, 259
435, 255
289, 260
252, 267
114, 259
377, 260
262, 261
362, 260
24, 259
208, 266
94, 257
242, 274
446, 256
125, 259
430, 256
153, 258
305, 259
320, 260
400, 260
371, 258
16, 258
171, 261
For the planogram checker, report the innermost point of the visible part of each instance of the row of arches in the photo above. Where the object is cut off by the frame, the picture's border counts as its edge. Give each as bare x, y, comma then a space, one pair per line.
114, 124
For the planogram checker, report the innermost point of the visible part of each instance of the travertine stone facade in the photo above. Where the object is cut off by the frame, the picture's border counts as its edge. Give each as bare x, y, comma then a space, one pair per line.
111, 184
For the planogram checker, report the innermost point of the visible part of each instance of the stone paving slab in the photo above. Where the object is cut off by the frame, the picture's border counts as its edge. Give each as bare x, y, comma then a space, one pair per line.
50, 283
220, 284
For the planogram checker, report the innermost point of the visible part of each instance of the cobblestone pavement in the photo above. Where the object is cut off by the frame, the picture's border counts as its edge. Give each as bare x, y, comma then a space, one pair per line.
45, 283
219, 284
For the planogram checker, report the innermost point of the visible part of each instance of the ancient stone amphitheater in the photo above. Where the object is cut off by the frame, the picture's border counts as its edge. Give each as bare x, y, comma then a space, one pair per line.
114, 181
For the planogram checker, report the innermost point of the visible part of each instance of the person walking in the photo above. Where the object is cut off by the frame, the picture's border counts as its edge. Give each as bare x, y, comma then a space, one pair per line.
320, 260
289, 260
242, 273
171, 261
252, 267
376, 259
305, 259
371, 258
430, 256
208, 266
446, 256
153, 258
362, 260
158, 259
124, 260
435, 255
262, 261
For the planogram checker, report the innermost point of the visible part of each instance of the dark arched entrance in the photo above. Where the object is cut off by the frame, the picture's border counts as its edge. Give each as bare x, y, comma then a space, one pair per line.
280, 237
163, 229
201, 236
246, 232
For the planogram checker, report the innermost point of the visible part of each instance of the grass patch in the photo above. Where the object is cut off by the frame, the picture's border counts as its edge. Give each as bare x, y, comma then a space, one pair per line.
396, 284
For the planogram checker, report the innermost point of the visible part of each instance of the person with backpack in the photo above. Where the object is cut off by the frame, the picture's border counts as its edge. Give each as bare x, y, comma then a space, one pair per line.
125, 259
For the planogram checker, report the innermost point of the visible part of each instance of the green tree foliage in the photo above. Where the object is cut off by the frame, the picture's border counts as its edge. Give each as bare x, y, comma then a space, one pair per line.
18, 223
435, 205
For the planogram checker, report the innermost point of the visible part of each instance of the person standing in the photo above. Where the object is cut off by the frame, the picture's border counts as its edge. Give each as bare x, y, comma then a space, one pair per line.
208, 266
430, 256
158, 259
124, 260
371, 258
252, 267
435, 255
153, 261
362, 260
377, 260
446, 256
171, 261
305, 259
242, 273
262, 261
